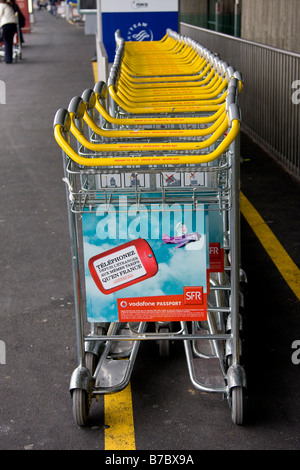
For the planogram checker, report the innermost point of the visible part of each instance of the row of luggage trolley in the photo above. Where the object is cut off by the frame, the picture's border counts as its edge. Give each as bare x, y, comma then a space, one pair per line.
151, 167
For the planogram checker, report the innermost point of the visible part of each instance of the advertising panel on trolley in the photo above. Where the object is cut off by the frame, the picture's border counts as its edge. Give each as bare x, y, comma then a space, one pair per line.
146, 263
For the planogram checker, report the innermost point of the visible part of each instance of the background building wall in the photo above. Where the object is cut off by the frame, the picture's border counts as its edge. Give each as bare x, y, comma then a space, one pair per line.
272, 22
194, 12
217, 15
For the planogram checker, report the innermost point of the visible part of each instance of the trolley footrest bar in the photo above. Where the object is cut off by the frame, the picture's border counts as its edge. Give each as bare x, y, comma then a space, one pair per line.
217, 384
113, 375
160, 336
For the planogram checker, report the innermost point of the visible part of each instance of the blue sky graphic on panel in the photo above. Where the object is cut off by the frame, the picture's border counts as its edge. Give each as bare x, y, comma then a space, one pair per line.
177, 267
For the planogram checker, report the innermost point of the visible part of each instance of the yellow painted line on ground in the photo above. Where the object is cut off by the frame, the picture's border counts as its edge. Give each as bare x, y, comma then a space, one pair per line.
95, 71
286, 266
118, 415
118, 412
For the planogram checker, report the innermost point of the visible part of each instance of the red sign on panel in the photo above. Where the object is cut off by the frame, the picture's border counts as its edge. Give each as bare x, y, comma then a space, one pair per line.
193, 295
123, 266
216, 258
166, 307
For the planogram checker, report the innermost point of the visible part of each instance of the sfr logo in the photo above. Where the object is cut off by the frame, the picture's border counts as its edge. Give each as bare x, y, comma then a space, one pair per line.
193, 295
214, 250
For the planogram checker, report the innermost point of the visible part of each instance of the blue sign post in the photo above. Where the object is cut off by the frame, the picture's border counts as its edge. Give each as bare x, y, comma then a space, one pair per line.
137, 21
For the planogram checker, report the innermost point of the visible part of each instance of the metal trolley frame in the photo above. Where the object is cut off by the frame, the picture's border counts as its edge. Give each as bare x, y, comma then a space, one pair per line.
107, 353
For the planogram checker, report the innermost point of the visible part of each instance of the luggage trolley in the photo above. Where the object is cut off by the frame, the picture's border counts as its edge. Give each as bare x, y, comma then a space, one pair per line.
154, 225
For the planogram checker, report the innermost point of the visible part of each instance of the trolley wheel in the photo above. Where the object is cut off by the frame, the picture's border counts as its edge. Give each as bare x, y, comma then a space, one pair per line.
237, 405
81, 406
164, 344
91, 361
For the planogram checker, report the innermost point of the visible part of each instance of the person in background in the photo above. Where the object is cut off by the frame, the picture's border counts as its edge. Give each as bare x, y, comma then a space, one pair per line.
53, 10
21, 17
8, 23
42, 4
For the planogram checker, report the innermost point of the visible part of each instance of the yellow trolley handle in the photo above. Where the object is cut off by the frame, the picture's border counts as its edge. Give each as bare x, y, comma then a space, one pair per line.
83, 110
181, 53
212, 83
192, 97
146, 146
100, 90
169, 78
164, 65
62, 126
184, 55
167, 83
205, 106
175, 94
